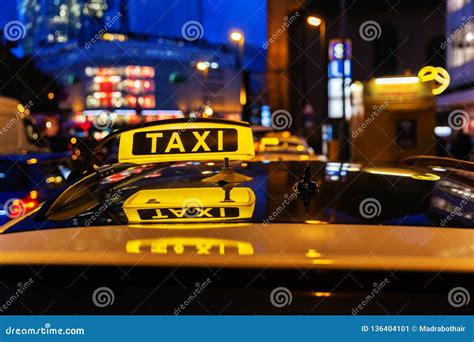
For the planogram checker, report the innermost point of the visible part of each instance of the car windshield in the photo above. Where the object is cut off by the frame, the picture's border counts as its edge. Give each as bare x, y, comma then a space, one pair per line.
345, 194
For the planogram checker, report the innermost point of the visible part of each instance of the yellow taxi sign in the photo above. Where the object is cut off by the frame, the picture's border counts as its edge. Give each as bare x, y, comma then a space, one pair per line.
187, 140
189, 205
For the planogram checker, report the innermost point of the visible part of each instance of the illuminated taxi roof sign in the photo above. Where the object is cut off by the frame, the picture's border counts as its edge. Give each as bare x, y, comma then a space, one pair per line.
189, 205
187, 140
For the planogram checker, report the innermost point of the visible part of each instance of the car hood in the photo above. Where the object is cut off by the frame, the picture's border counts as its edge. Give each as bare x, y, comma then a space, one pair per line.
302, 246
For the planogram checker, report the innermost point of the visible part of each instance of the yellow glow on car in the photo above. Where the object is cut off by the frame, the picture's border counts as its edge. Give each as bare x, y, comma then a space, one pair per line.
188, 226
205, 139
397, 80
315, 222
312, 254
323, 261
32, 161
403, 173
189, 205
180, 245
388, 171
426, 177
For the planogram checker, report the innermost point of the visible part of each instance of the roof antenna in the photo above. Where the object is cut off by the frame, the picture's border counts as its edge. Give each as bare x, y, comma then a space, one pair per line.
227, 179
306, 188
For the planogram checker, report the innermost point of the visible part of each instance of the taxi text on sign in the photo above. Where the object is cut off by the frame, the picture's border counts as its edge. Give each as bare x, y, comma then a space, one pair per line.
184, 140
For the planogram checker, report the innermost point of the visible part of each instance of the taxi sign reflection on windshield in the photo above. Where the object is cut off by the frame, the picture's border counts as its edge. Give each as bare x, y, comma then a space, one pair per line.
184, 140
189, 205
180, 245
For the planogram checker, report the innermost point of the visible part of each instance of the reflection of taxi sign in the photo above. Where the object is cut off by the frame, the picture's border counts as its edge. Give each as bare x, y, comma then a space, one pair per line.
180, 245
426, 177
189, 205
184, 139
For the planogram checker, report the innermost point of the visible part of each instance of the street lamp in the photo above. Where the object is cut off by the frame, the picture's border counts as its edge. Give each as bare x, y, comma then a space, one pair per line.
319, 24
238, 37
